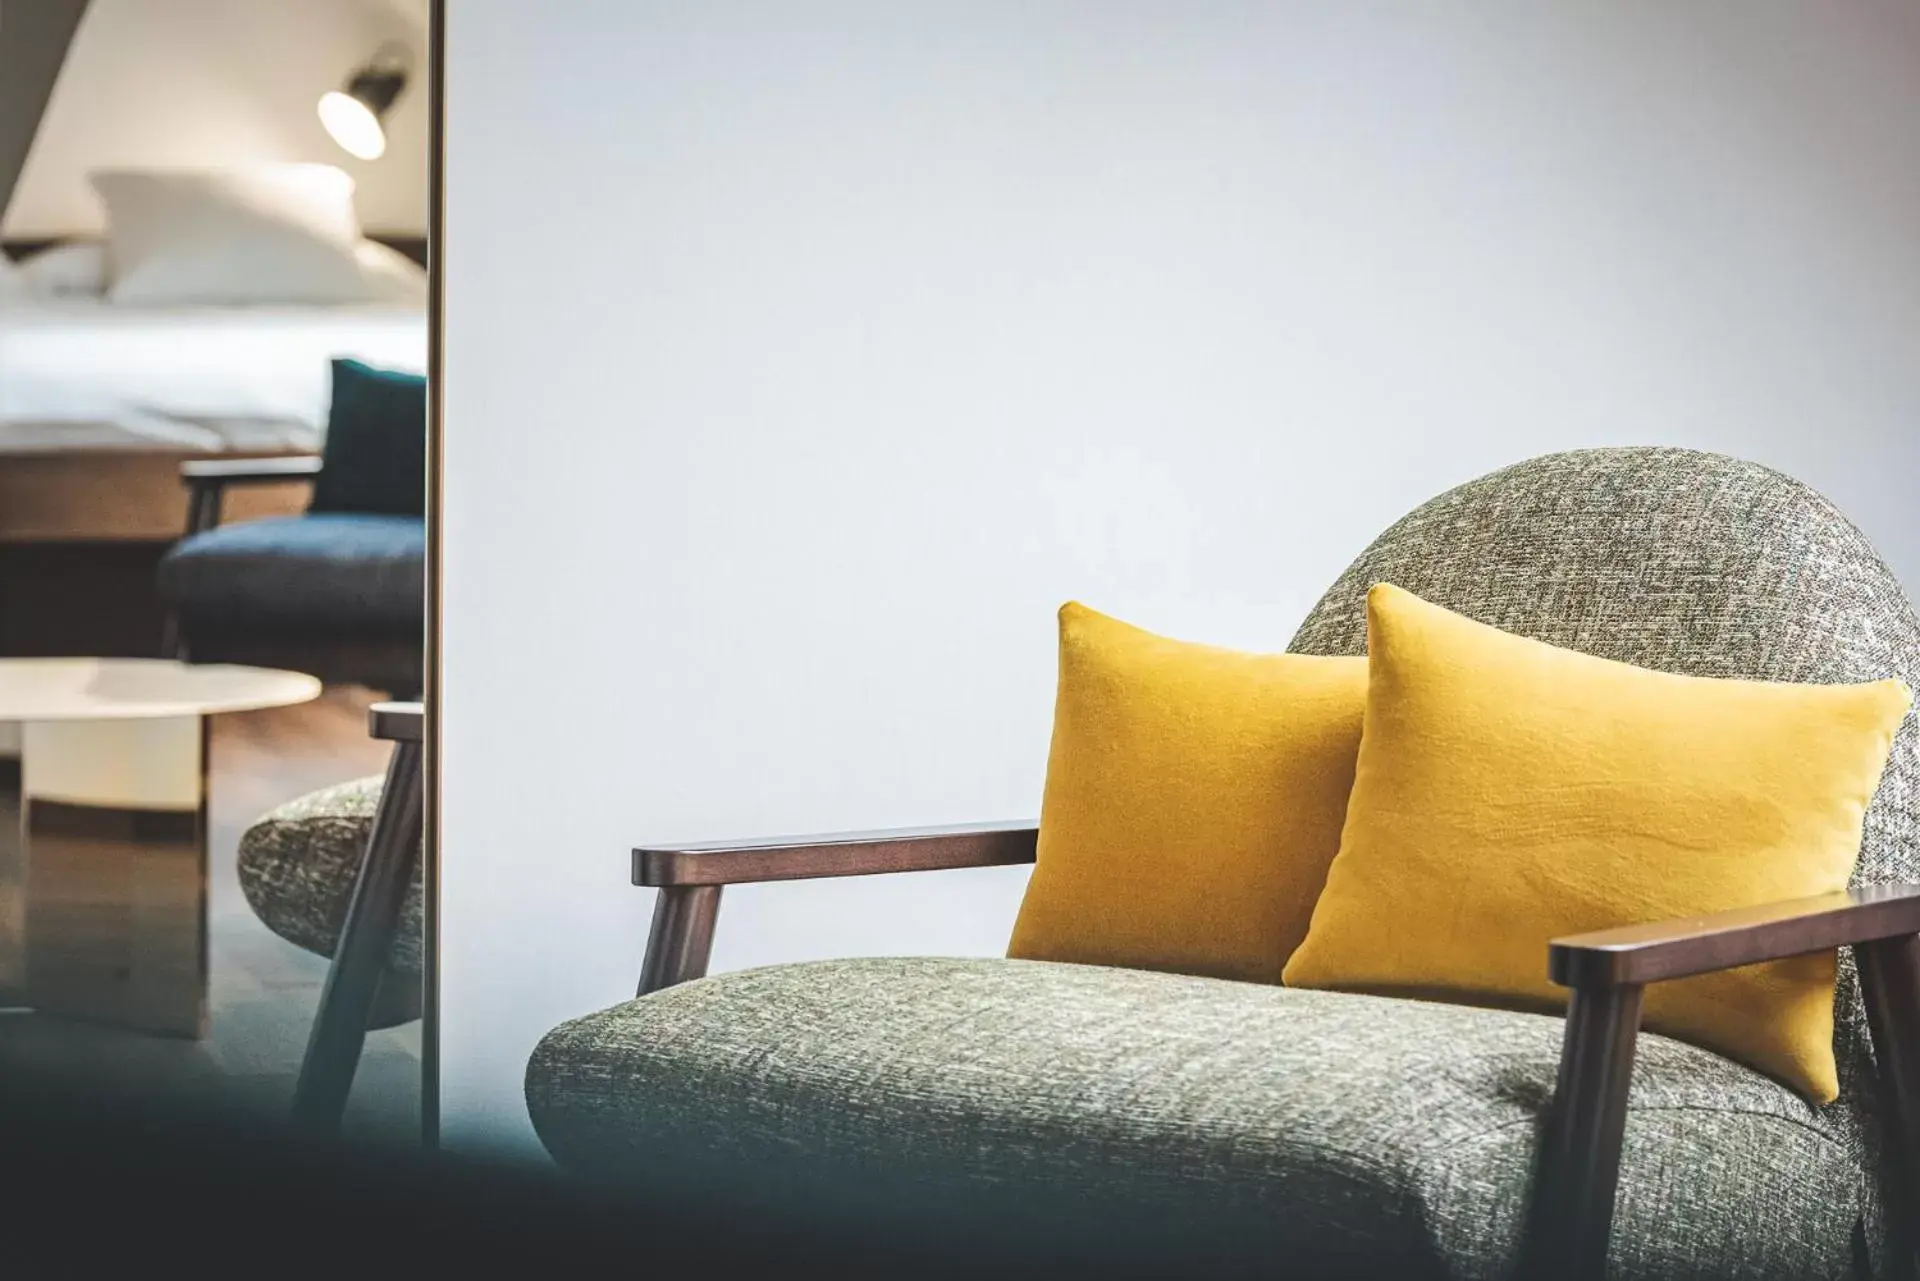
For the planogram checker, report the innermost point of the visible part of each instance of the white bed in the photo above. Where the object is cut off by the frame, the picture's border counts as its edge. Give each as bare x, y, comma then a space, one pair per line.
205, 321
172, 374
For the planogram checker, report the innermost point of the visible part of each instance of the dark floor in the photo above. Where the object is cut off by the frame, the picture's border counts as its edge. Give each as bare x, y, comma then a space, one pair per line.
263, 990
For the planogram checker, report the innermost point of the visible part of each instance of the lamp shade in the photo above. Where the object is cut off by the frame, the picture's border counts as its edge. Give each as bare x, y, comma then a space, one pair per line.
353, 115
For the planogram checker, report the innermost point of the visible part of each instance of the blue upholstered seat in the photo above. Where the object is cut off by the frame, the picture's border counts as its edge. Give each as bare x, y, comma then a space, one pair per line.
333, 570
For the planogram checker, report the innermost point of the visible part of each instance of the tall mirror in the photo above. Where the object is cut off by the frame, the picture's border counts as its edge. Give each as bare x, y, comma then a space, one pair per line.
213, 346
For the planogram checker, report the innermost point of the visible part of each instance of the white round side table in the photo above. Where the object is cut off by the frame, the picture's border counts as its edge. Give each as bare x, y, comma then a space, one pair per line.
103, 880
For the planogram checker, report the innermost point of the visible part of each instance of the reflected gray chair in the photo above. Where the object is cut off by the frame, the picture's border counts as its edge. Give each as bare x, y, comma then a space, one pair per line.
1151, 1123
338, 873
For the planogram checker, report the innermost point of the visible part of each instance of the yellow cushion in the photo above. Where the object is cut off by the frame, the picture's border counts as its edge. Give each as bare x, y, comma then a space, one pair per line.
1194, 799
1509, 792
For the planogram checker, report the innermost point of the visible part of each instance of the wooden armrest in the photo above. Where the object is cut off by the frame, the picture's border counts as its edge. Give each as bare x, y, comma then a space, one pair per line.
395, 722
1572, 1210
842, 854
249, 471
208, 479
1725, 940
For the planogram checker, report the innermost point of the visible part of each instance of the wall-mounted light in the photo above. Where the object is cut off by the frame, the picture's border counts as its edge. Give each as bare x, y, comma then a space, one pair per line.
353, 114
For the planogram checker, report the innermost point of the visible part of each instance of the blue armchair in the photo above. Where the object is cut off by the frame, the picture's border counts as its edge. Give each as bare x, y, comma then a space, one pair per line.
338, 591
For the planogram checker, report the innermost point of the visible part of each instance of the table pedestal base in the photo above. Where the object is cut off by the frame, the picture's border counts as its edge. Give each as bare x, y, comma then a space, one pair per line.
103, 878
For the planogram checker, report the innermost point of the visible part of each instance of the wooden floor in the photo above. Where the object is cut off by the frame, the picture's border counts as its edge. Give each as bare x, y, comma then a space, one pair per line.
263, 990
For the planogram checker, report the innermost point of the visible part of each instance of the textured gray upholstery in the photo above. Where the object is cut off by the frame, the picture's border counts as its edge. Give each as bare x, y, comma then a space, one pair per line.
1303, 1131
298, 863
1683, 562
1126, 1116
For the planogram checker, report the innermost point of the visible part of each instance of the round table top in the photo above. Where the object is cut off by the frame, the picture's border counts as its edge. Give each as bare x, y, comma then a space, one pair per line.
103, 689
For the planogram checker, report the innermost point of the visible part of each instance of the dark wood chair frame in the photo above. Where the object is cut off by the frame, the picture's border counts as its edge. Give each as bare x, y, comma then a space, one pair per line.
1571, 1212
354, 979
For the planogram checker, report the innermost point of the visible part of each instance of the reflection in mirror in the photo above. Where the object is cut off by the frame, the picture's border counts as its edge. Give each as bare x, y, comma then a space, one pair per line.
213, 343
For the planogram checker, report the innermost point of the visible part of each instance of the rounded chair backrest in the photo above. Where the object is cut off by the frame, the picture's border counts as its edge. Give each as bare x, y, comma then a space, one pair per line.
1676, 560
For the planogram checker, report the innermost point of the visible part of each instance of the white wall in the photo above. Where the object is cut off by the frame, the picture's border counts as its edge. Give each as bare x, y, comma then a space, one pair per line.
876, 330
160, 83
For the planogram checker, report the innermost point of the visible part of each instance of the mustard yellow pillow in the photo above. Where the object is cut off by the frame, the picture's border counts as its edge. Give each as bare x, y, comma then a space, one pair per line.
1194, 799
1508, 792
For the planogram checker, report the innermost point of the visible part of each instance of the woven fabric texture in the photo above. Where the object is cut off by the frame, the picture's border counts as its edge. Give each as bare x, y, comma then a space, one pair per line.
1242, 1127
1121, 1116
298, 863
1683, 562
332, 572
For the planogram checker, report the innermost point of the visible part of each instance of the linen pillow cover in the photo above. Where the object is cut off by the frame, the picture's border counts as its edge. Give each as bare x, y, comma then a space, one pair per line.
1193, 800
1508, 792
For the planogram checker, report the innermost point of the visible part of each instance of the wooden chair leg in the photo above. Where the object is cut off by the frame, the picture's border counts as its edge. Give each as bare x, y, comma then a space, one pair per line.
203, 513
681, 939
365, 943
1890, 986
172, 643
1579, 1167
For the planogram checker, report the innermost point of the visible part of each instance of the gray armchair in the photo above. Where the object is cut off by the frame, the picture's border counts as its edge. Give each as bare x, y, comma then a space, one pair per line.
338, 872
1044, 1114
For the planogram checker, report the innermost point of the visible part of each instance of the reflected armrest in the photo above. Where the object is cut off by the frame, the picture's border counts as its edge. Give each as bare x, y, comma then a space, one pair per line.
1652, 953
395, 722
923, 849
249, 471
207, 481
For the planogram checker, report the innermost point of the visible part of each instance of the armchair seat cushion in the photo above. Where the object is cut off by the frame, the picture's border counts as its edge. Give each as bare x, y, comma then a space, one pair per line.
336, 571
298, 863
1161, 1123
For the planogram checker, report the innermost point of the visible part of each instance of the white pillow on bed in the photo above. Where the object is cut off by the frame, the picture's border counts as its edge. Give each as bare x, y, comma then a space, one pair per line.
279, 233
78, 267
391, 275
